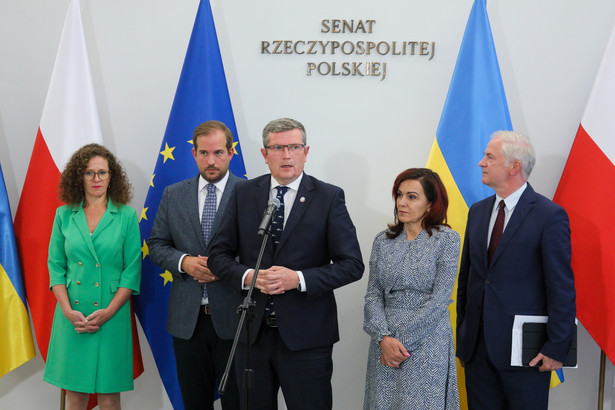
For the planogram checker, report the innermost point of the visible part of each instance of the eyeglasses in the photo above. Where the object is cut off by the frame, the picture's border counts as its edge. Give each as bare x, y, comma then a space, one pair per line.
292, 148
102, 174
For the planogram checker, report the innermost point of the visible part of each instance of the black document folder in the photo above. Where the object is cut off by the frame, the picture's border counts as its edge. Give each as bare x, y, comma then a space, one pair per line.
535, 336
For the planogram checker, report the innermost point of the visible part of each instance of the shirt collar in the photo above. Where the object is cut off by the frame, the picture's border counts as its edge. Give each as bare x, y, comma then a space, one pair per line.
220, 185
293, 185
511, 200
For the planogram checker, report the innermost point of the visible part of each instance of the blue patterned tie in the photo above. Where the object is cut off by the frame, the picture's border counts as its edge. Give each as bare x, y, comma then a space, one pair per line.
277, 227
207, 219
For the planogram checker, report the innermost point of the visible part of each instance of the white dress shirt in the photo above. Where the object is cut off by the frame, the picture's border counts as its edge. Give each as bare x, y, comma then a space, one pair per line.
510, 202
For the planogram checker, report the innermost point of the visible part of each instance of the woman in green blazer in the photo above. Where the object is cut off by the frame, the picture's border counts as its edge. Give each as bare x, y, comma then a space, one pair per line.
94, 267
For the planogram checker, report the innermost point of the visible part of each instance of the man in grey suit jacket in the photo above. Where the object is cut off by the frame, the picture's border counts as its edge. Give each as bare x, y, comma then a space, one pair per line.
202, 323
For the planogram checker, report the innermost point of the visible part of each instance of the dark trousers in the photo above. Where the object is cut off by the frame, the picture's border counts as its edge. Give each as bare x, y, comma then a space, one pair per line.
201, 361
304, 376
489, 388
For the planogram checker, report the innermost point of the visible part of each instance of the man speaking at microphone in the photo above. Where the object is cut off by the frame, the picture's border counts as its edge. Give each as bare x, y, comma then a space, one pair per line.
313, 249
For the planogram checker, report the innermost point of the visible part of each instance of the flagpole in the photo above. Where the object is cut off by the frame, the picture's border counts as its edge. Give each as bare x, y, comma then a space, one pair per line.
62, 399
601, 380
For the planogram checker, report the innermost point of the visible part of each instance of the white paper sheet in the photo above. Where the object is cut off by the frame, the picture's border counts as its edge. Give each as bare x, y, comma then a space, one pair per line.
517, 336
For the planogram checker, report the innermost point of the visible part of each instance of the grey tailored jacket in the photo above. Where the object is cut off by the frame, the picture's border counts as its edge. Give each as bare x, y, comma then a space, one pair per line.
177, 231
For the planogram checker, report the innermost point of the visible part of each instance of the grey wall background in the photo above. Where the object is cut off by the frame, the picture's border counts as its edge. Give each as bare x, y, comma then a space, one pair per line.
362, 131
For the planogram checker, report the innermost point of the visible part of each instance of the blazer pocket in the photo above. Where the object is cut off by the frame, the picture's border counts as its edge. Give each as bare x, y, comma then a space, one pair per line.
114, 285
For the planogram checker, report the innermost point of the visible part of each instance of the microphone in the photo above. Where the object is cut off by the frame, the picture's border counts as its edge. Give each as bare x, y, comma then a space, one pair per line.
272, 207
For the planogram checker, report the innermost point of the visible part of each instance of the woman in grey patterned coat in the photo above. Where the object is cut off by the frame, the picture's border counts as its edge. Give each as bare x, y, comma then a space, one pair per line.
413, 266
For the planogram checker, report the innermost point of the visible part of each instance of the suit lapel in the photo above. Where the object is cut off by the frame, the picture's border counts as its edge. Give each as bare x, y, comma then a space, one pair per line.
302, 201
484, 228
232, 180
522, 209
82, 226
194, 219
261, 188
106, 219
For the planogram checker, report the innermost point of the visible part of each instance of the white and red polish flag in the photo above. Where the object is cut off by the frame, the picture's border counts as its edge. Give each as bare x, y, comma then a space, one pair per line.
69, 121
587, 191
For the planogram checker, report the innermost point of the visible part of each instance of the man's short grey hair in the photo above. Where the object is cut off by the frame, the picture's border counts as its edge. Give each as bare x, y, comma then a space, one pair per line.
516, 146
281, 125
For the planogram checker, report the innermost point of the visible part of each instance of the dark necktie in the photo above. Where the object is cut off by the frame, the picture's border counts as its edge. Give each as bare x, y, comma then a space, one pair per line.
277, 227
207, 219
496, 234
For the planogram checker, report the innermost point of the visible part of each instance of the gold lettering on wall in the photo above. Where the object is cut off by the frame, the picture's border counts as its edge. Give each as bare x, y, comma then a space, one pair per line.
356, 49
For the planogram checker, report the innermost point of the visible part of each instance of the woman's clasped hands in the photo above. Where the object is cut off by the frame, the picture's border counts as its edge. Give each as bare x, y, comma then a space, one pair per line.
393, 352
89, 324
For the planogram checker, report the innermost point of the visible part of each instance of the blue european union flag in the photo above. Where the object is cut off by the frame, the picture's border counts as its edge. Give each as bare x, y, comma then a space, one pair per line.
202, 95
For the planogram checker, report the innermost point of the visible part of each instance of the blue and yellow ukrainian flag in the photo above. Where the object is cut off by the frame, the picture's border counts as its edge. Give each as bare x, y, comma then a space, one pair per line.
15, 333
475, 107
202, 95
557, 378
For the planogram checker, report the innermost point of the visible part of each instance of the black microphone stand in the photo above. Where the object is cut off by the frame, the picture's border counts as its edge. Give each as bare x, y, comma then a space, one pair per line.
246, 310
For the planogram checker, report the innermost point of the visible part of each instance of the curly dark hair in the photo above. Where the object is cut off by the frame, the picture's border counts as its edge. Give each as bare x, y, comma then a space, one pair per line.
71, 190
436, 195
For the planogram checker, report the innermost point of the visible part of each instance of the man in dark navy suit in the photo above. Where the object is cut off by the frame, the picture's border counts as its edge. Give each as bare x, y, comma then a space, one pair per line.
524, 269
313, 250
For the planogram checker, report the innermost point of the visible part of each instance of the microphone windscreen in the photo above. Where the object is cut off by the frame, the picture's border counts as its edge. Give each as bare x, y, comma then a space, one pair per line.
274, 201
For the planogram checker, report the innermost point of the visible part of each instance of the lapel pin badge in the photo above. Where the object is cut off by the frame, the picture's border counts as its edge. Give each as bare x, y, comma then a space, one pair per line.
302, 199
